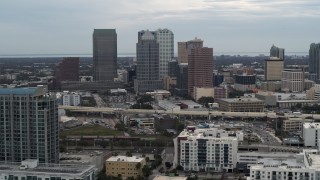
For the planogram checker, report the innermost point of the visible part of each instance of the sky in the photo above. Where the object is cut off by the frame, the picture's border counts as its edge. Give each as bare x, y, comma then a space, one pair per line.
66, 26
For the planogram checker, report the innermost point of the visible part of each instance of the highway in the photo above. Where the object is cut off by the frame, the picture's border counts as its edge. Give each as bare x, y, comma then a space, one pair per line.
181, 112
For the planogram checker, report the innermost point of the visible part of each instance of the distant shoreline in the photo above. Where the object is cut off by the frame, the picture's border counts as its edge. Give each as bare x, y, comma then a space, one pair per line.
251, 54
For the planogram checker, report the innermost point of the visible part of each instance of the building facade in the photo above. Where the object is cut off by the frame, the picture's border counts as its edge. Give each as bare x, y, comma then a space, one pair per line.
165, 39
292, 80
277, 52
245, 82
104, 54
311, 134
273, 68
70, 99
67, 70
205, 150
314, 62
200, 68
241, 105
182, 52
29, 125
124, 167
148, 78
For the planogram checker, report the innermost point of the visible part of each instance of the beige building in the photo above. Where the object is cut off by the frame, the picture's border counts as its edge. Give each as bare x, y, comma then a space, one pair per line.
241, 105
271, 86
292, 80
124, 166
199, 92
273, 68
143, 122
182, 52
169, 82
294, 123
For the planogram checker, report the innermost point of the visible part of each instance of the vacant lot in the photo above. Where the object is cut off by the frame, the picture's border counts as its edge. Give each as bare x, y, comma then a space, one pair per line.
92, 130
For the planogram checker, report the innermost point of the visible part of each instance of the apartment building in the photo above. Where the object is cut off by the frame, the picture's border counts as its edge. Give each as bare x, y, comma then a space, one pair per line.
209, 149
311, 134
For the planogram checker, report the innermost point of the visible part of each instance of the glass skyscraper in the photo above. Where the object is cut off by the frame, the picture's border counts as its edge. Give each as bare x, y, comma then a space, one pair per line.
29, 127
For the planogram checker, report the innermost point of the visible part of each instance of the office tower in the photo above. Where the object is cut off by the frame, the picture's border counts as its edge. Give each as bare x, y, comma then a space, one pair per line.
184, 48
207, 149
172, 68
29, 125
165, 39
277, 52
200, 68
292, 80
314, 62
273, 68
67, 70
147, 63
245, 82
182, 52
104, 54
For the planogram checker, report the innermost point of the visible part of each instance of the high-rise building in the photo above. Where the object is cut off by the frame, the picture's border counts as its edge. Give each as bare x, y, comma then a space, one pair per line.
148, 78
314, 62
207, 149
165, 39
277, 52
29, 125
273, 68
200, 68
182, 52
292, 80
104, 54
184, 49
67, 70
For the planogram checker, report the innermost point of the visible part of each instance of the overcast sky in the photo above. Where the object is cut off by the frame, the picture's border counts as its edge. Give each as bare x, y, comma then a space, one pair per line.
66, 26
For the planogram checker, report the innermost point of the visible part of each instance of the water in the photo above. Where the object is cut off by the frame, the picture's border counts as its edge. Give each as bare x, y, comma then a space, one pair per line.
250, 54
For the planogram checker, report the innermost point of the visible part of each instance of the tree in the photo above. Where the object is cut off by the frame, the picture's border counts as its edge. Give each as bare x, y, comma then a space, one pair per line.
146, 171
205, 100
168, 164
128, 154
138, 166
146, 98
179, 167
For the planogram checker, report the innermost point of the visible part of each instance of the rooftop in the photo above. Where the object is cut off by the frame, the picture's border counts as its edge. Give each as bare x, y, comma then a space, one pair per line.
124, 159
104, 31
48, 169
169, 178
241, 100
23, 91
311, 125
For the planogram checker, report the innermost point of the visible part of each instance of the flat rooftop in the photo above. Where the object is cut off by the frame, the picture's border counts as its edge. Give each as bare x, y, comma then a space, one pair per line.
311, 125
124, 159
240, 100
48, 169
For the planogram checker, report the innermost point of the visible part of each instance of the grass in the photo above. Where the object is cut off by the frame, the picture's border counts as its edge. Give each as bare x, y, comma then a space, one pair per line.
91, 130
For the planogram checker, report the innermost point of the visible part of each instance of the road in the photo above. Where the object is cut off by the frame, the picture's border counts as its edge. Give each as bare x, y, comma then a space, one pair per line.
182, 112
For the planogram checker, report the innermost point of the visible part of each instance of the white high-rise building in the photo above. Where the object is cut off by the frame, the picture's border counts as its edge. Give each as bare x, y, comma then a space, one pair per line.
311, 134
209, 149
292, 80
165, 39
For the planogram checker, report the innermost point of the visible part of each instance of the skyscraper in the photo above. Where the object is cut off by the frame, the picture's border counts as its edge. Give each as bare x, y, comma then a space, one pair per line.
67, 70
165, 39
277, 52
314, 62
184, 48
200, 68
104, 54
273, 68
148, 78
29, 125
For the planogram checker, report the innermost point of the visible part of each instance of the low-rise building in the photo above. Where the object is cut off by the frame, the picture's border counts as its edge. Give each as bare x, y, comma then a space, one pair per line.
125, 167
67, 98
207, 149
304, 166
241, 105
30, 168
188, 104
294, 123
199, 92
143, 122
169, 106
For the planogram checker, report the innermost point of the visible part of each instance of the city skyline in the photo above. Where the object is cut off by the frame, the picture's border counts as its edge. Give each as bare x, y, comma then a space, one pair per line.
59, 27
